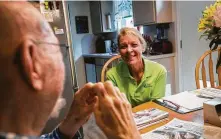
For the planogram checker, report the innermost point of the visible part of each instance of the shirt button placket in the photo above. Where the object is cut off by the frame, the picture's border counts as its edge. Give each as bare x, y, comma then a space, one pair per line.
134, 87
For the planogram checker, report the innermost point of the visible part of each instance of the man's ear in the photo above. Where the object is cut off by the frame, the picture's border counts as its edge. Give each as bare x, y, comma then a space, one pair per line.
31, 66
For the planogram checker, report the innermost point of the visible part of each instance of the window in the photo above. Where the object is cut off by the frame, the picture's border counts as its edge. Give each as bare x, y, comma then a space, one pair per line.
123, 15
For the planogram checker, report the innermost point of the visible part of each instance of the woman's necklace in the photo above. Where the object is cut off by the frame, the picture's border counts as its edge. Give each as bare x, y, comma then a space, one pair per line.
137, 71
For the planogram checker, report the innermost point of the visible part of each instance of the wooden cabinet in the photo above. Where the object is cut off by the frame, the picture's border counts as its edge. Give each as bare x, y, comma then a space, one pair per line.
168, 63
99, 63
151, 12
90, 70
102, 16
93, 68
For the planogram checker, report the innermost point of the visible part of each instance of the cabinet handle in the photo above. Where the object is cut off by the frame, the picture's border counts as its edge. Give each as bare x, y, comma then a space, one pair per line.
154, 11
181, 44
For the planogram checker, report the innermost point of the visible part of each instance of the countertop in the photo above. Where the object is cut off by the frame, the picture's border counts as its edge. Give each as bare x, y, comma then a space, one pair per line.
100, 55
108, 55
152, 57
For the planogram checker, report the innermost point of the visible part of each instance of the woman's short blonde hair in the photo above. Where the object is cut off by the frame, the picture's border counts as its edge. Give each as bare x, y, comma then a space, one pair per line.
131, 31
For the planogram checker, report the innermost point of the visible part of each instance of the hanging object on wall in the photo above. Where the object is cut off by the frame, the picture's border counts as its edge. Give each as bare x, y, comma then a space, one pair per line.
56, 9
108, 21
48, 16
50, 10
45, 9
58, 31
81, 24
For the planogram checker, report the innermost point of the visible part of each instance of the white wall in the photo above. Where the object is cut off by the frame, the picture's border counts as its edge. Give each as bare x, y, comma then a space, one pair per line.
81, 42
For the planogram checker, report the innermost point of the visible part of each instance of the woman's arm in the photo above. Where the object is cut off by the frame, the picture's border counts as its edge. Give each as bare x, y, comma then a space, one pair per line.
160, 86
110, 77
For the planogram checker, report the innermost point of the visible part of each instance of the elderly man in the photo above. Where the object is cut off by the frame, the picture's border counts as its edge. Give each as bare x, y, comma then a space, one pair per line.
32, 77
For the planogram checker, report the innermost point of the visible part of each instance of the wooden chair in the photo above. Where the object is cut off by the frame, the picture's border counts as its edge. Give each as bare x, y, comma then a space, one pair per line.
211, 68
109, 64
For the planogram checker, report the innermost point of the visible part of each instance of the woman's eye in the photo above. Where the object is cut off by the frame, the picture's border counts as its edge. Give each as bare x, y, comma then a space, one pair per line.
134, 45
123, 46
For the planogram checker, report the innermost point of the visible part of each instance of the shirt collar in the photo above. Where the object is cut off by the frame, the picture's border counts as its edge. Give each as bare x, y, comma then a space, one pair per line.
126, 72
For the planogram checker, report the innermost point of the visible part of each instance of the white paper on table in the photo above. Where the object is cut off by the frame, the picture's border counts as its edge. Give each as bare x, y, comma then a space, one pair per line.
187, 100
209, 92
176, 129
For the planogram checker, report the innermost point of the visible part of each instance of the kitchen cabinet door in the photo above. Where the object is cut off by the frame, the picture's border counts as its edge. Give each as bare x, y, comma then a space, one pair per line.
99, 21
143, 12
168, 63
90, 73
107, 8
96, 18
99, 62
90, 70
98, 73
151, 12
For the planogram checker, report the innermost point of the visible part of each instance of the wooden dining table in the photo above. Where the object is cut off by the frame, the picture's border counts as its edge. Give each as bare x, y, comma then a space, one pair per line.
195, 116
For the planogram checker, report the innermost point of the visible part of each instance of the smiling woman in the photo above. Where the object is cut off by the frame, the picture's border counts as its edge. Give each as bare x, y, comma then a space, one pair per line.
130, 49
140, 79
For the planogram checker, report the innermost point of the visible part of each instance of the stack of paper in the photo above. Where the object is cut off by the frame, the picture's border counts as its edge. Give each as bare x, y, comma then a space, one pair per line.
149, 117
176, 129
209, 92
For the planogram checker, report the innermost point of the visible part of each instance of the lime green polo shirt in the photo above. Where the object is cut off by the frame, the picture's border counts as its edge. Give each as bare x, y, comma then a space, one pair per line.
152, 85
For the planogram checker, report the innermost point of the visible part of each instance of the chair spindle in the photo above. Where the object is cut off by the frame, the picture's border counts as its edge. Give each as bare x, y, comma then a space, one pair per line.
211, 74
203, 74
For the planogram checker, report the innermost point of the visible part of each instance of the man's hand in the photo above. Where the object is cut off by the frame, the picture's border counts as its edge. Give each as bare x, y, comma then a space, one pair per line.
82, 107
113, 113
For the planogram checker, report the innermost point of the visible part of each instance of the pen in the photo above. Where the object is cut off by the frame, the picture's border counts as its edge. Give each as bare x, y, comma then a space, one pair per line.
168, 102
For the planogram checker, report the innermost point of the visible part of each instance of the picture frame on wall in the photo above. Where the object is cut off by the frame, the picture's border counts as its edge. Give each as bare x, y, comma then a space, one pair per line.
81, 24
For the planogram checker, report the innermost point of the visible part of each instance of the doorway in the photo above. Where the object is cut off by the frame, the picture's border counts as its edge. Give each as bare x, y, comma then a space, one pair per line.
190, 48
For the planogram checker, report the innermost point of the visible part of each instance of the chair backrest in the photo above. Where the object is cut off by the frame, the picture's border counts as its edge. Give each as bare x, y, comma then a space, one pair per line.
109, 64
207, 56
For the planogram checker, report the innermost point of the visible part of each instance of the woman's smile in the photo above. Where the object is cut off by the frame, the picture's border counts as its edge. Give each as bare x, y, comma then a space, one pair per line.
130, 49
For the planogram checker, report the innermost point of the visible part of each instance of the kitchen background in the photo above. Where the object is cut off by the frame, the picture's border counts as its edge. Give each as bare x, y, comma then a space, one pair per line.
89, 29
105, 19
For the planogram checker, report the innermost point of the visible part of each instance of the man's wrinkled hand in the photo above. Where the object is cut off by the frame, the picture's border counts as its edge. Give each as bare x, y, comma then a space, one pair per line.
113, 113
81, 108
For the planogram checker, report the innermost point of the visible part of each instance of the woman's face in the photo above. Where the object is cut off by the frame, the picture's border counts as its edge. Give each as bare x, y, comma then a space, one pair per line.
130, 49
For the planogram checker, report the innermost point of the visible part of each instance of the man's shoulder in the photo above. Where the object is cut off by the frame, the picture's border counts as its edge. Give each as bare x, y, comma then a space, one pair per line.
4, 135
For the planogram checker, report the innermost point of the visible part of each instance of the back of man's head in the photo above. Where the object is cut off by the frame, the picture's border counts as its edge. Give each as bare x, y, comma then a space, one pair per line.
32, 70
